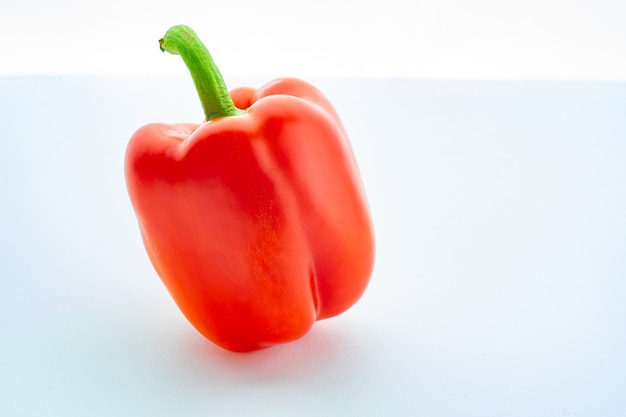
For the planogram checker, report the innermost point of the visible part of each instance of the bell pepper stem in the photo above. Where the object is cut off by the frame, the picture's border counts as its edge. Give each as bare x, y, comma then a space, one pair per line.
214, 96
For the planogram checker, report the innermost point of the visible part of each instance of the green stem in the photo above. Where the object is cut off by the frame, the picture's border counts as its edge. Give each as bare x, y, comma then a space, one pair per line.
214, 96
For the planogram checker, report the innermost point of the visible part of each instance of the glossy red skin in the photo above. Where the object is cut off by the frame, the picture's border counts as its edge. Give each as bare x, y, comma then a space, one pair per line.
257, 224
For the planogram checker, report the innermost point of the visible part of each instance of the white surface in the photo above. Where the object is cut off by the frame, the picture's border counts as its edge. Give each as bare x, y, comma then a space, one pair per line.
479, 39
498, 290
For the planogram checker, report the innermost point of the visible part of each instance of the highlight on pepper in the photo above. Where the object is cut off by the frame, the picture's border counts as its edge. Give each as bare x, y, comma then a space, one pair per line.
256, 219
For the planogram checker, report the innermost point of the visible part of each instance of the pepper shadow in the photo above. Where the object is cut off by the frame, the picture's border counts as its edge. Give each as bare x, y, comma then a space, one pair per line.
326, 350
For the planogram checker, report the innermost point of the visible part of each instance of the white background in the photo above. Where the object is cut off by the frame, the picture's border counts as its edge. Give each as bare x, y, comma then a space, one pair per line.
498, 288
485, 39
499, 282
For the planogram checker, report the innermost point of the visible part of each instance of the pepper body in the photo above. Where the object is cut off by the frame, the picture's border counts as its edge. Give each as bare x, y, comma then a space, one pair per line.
258, 223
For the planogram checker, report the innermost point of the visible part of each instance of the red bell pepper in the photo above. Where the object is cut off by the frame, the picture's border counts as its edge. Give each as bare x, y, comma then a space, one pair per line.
256, 220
